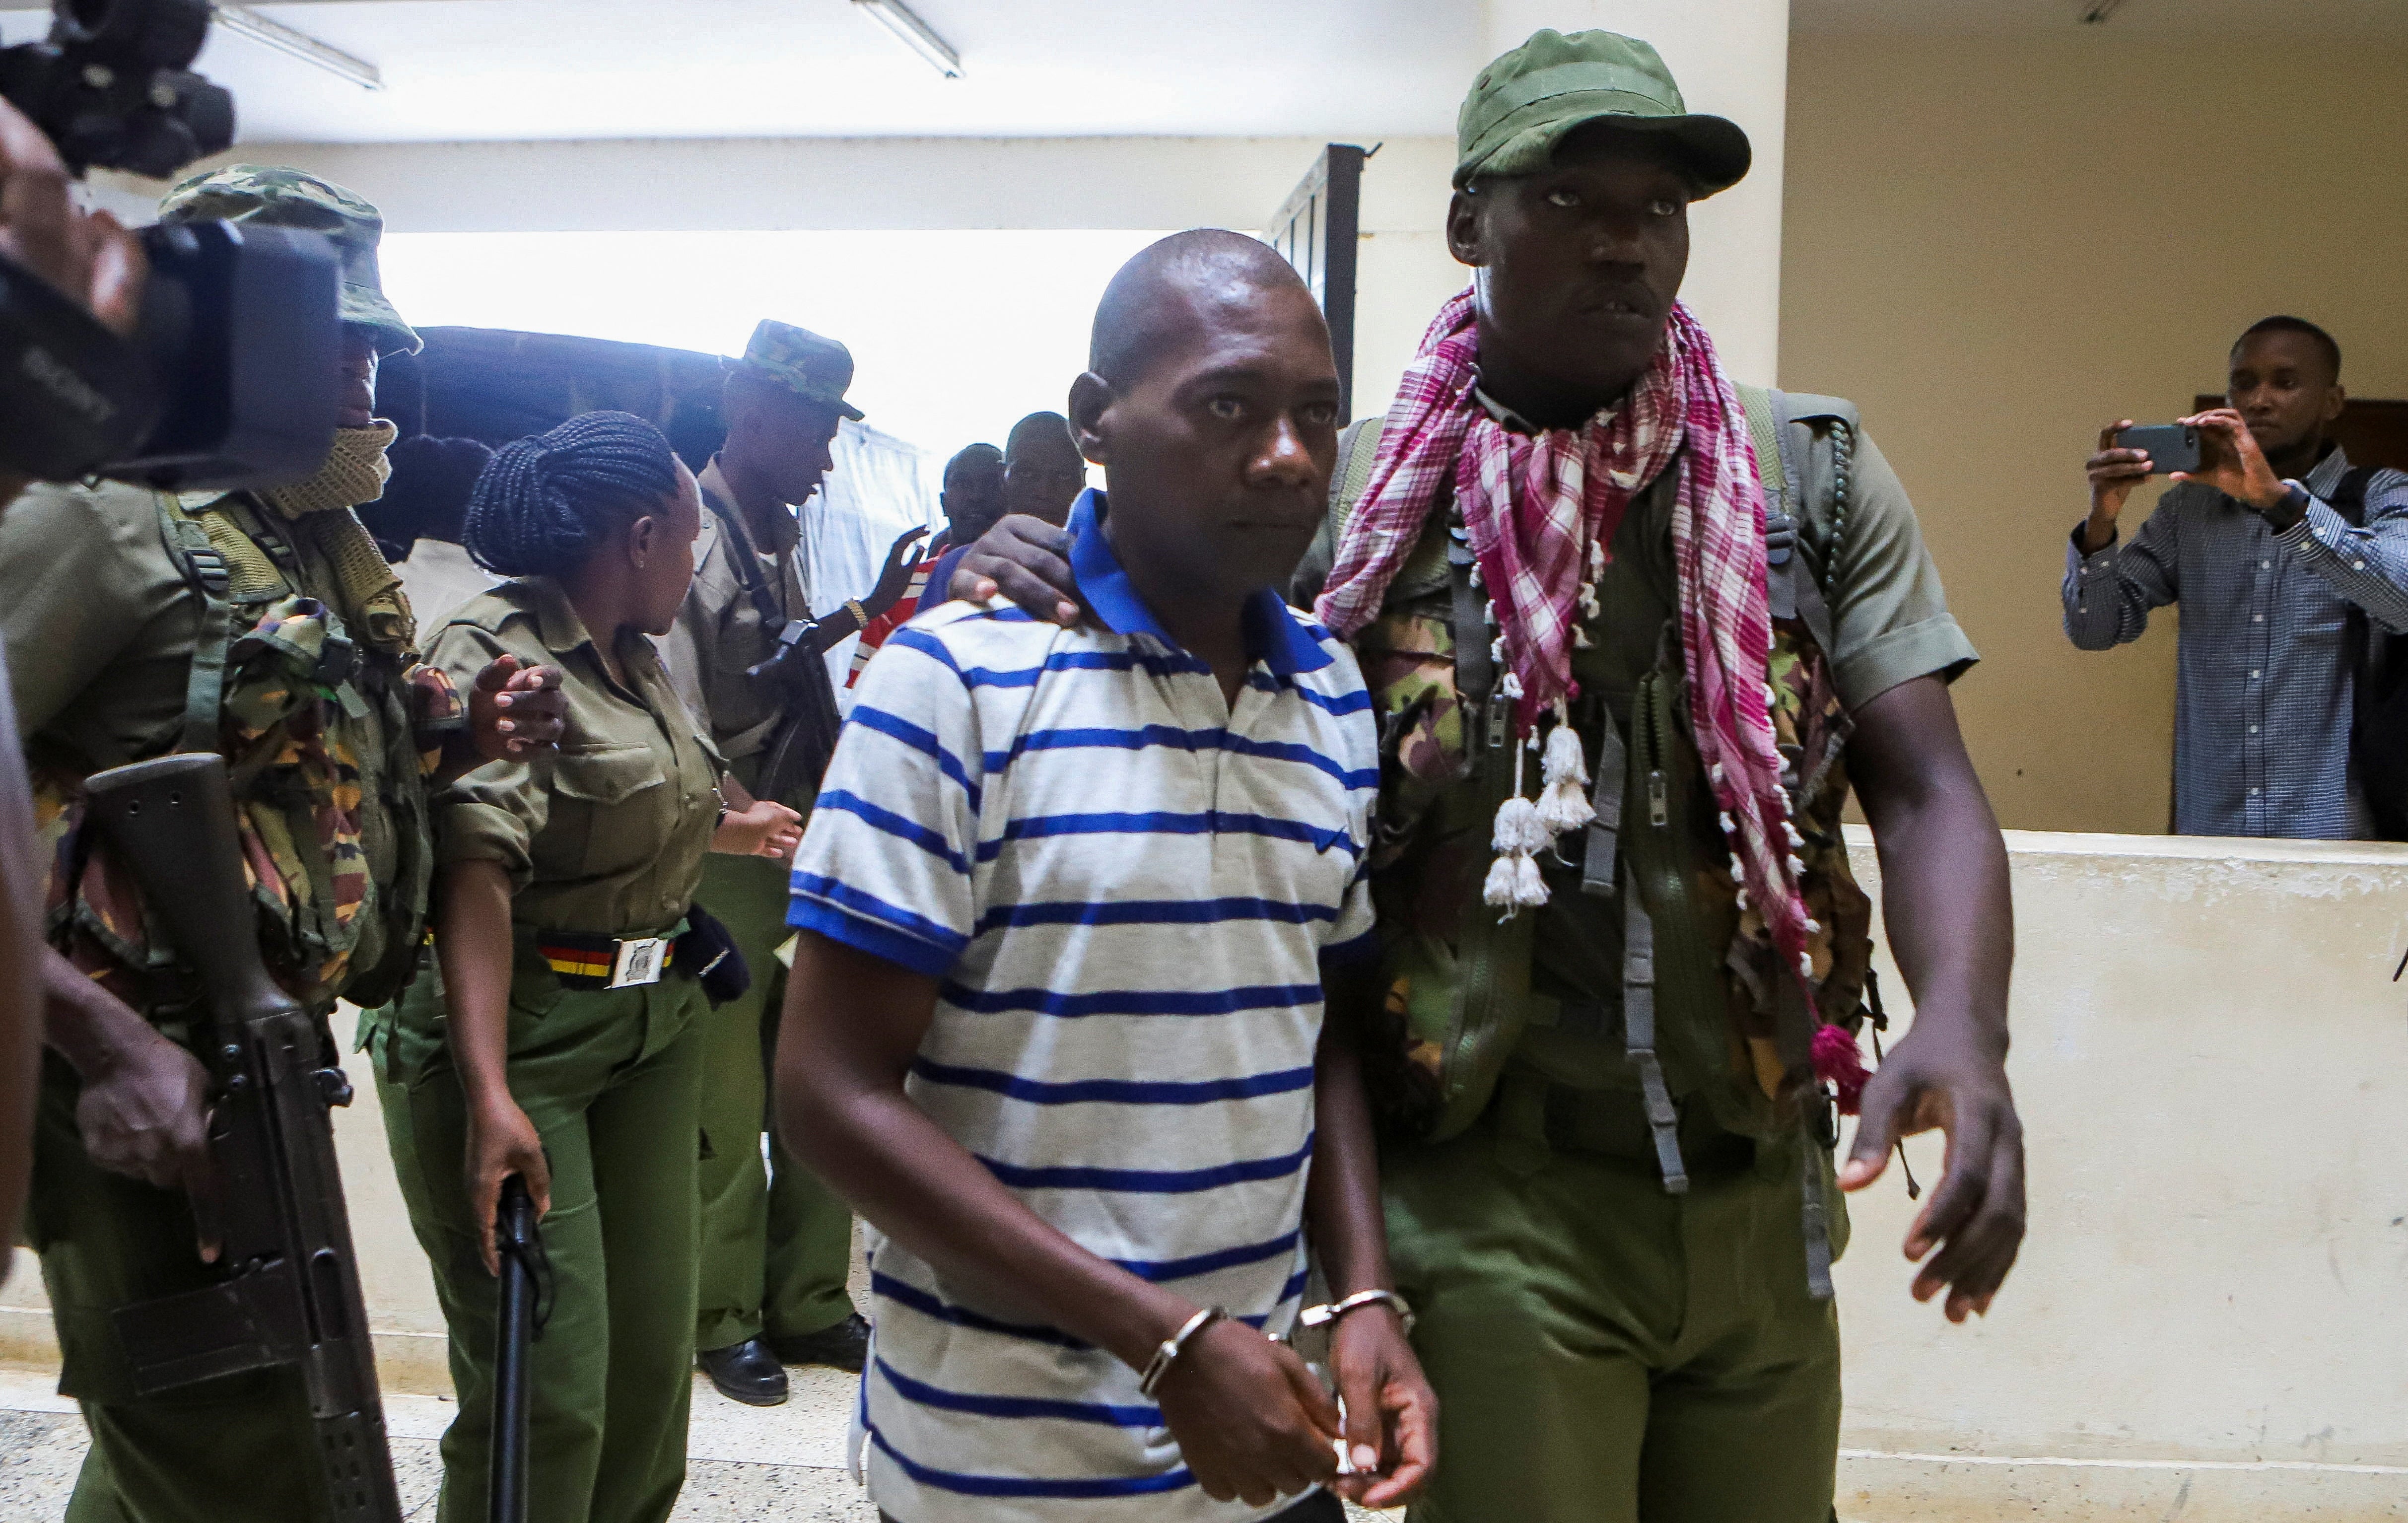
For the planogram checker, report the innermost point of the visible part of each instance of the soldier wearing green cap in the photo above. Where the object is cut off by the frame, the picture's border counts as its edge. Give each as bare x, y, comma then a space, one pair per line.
264, 624
1622, 1013
776, 1245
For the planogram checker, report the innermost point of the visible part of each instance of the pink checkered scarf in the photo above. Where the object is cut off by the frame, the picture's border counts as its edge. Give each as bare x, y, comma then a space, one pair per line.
1540, 513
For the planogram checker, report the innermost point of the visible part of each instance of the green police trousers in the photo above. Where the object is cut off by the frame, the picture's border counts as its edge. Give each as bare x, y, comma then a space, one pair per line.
232, 1450
612, 1078
776, 1242
1604, 1352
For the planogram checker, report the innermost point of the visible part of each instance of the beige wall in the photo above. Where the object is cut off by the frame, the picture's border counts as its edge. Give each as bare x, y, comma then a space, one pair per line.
1995, 246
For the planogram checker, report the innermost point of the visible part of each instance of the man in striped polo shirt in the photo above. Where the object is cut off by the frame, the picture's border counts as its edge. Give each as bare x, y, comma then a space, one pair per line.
1055, 1024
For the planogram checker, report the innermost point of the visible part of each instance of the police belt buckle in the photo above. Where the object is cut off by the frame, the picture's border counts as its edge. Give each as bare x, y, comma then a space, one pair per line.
639, 962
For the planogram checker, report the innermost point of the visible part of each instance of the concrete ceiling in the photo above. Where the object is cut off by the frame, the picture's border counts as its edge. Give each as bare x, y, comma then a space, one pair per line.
2196, 19
510, 69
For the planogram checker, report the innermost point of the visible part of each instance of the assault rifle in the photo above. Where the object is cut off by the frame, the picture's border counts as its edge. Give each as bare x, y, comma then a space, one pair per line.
795, 679
290, 1291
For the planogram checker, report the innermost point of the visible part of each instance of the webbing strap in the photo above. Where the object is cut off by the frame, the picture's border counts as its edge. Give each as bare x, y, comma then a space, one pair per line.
1794, 1034
1475, 670
1771, 472
1605, 800
1816, 1226
1638, 1034
748, 570
188, 546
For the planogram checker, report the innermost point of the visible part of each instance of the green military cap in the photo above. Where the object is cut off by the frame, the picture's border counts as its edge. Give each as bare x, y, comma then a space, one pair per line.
815, 368
274, 196
1524, 103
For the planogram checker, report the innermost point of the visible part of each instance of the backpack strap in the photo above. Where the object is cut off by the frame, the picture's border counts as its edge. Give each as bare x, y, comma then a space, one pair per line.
205, 568
1776, 422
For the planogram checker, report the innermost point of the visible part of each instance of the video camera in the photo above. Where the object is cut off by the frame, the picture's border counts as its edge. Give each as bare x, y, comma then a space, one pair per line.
230, 379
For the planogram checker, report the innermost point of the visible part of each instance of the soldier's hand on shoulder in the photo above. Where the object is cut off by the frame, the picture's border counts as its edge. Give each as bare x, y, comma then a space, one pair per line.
516, 711
1026, 560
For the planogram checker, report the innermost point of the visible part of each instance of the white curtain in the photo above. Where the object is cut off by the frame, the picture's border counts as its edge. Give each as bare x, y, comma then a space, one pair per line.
881, 485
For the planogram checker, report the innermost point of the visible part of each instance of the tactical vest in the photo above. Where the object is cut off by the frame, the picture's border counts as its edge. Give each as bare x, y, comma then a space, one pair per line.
1710, 1035
319, 730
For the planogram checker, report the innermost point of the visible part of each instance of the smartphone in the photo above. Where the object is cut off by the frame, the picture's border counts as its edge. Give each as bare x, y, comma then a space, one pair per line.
2171, 446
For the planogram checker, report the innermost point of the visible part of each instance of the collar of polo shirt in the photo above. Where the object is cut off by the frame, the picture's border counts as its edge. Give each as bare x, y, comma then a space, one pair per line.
1272, 635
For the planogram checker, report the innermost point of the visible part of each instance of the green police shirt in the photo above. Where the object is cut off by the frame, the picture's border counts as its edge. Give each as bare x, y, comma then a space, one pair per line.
608, 837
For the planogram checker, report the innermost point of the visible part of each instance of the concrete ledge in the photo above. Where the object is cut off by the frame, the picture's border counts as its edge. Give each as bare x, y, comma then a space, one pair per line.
1876, 1487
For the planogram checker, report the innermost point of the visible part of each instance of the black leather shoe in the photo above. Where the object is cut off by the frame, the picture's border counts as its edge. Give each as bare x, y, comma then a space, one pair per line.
844, 1346
746, 1372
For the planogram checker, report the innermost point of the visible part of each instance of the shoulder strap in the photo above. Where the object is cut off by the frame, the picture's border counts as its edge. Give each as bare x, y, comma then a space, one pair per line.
1790, 582
205, 568
748, 570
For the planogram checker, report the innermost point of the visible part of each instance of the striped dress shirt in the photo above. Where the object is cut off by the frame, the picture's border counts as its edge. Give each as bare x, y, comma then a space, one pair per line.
2262, 687
1126, 889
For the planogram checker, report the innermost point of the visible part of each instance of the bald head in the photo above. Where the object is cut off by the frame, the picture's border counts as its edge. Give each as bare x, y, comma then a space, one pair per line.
1172, 289
1211, 401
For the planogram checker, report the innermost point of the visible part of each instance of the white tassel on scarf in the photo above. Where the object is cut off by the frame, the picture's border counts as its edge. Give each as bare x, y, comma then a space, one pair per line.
1513, 882
1563, 802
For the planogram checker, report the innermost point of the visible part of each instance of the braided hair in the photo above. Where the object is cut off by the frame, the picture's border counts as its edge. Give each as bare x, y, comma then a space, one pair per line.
548, 502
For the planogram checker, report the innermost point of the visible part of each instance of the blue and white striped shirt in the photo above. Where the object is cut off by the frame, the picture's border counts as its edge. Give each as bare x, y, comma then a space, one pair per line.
1126, 889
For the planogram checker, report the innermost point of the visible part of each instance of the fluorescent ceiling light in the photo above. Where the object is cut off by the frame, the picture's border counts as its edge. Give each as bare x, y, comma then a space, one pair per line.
244, 22
917, 35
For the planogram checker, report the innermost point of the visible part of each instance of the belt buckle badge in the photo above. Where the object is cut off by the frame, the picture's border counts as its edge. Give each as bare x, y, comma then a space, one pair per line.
639, 962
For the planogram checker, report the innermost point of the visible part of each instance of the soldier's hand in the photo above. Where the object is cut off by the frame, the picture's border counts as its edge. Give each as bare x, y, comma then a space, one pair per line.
516, 711
502, 1141
146, 1114
762, 828
1026, 560
1934, 1077
1251, 1419
894, 579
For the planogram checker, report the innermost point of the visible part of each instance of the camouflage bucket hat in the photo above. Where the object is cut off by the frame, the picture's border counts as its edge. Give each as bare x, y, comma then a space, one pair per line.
275, 196
1524, 103
814, 368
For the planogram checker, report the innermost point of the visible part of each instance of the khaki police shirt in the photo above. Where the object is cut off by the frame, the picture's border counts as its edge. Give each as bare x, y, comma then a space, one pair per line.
720, 632
607, 838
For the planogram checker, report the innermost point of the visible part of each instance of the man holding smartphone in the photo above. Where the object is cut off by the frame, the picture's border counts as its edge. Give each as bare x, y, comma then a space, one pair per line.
2270, 545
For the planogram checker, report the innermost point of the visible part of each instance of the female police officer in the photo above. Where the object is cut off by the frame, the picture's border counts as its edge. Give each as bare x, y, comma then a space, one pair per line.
561, 1041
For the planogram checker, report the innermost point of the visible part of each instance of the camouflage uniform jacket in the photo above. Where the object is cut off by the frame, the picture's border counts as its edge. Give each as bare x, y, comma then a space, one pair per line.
1553, 977
327, 720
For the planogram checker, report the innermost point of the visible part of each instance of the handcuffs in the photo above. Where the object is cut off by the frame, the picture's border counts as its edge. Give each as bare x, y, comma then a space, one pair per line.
1168, 1353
